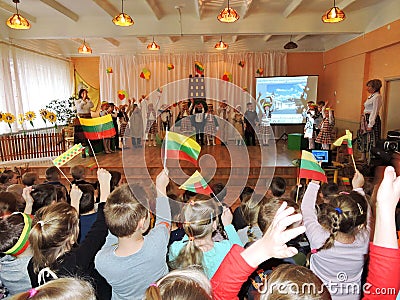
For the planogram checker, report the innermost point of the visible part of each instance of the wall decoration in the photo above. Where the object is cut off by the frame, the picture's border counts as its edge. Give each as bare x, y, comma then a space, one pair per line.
109, 70
170, 67
122, 94
227, 76
260, 71
145, 74
199, 67
241, 63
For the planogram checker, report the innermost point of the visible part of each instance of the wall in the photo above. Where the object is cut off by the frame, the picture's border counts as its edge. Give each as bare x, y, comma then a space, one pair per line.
88, 68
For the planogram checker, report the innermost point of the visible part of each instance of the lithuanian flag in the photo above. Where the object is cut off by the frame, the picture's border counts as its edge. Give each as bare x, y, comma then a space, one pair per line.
199, 67
310, 169
98, 128
197, 184
347, 138
178, 146
68, 155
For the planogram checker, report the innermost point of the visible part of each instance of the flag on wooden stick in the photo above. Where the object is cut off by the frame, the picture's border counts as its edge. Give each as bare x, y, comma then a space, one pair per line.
68, 155
347, 138
98, 128
310, 169
178, 146
197, 184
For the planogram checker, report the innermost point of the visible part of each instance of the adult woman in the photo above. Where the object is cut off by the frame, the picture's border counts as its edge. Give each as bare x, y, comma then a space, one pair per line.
83, 104
370, 125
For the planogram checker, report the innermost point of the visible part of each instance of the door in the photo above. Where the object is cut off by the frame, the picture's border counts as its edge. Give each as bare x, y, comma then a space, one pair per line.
391, 106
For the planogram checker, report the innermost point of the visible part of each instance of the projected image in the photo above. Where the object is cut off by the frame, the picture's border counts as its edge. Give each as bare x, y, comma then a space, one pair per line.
286, 97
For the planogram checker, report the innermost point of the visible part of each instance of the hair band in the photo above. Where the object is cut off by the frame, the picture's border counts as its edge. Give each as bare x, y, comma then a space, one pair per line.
360, 208
344, 193
23, 240
191, 202
191, 238
313, 251
32, 292
154, 284
41, 223
339, 211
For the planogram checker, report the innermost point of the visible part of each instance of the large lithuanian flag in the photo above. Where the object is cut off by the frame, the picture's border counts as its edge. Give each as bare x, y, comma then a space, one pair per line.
98, 128
310, 169
178, 146
196, 184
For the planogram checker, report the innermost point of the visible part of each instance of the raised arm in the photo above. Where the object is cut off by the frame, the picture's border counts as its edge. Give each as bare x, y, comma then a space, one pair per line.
26, 194
75, 195
226, 219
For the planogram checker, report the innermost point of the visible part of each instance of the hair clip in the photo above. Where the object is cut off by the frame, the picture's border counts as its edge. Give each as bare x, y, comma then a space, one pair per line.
191, 238
339, 211
41, 223
154, 284
344, 193
360, 208
32, 292
313, 251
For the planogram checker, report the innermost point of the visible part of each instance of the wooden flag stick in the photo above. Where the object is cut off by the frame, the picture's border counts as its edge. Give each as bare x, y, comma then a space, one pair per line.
165, 149
298, 188
64, 175
354, 162
94, 154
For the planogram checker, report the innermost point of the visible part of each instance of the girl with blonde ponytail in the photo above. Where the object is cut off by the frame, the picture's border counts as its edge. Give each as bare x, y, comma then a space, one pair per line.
339, 238
197, 247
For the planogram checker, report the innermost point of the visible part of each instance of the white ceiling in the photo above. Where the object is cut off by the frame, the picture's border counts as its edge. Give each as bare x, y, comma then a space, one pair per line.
264, 24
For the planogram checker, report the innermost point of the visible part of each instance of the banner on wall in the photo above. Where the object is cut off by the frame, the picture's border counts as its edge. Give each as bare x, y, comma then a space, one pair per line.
93, 93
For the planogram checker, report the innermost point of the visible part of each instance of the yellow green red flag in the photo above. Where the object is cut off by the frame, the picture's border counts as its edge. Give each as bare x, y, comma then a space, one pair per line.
68, 155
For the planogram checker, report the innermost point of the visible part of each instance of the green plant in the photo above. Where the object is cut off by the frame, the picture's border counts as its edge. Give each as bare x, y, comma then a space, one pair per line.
64, 109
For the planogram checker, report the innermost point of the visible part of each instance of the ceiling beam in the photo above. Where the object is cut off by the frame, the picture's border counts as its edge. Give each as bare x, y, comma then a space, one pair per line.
112, 41
156, 9
291, 7
107, 7
142, 39
299, 37
267, 37
62, 9
198, 4
345, 3
78, 41
234, 38
246, 7
11, 9
174, 39
205, 38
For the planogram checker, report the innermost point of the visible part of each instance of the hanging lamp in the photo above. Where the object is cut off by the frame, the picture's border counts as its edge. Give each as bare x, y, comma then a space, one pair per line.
290, 45
333, 15
221, 45
16, 21
153, 46
123, 19
228, 15
84, 48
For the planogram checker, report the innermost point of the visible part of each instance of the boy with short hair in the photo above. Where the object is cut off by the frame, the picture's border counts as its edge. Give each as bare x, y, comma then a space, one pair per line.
278, 187
136, 261
29, 178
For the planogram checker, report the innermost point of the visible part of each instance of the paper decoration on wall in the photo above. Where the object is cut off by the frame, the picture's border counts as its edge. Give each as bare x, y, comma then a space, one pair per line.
122, 94
199, 67
145, 74
109, 70
159, 90
245, 89
241, 63
227, 76
260, 71
170, 67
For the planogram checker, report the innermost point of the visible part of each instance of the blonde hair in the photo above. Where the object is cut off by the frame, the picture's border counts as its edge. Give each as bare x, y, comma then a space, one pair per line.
189, 283
60, 289
198, 215
344, 213
268, 209
293, 282
55, 229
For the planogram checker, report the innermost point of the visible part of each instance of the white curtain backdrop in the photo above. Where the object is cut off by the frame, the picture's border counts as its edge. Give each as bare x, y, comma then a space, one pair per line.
30, 81
127, 68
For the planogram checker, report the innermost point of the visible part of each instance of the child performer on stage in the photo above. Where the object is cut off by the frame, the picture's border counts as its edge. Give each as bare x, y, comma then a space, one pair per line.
309, 132
250, 123
183, 118
107, 141
165, 119
151, 125
325, 136
123, 118
238, 123
211, 126
265, 129
136, 124
224, 112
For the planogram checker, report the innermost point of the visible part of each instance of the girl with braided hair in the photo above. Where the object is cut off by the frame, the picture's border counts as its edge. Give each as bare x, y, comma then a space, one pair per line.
339, 238
197, 247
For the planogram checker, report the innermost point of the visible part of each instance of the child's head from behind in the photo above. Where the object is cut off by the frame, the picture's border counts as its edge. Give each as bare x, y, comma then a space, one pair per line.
329, 190
278, 186
78, 172
293, 282
86, 204
29, 178
246, 192
8, 203
43, 195
346, 213
250, 207
55, 229
14, 233
182, 284
124, 213
52, 174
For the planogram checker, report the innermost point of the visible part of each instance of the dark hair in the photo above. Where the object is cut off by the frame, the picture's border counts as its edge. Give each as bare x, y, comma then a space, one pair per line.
80, 93
29, 178
322, 103
246, 191
219, 190
302, 187
6, 176
52, 174
176, 207
115, 179
329, 189
8, 203
187, 195
86, 204
10, 231
77, 172
376, 84
278, 186
43, 194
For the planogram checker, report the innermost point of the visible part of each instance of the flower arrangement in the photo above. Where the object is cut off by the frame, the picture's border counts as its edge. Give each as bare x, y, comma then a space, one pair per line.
9, 118
52, 118
21, 119
64, 110
30, 116
1, 116
43, 114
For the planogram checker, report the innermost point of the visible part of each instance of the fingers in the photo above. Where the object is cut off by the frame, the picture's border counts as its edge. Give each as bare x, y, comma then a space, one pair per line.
290, 234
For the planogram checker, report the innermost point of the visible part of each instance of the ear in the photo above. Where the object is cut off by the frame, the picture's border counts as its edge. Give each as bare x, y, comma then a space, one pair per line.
215, 225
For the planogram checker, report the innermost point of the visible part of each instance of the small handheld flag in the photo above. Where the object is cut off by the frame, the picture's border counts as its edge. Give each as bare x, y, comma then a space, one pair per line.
68, 155
178, 146
347, 138
197, 184
310, 169
98, 128
199, 68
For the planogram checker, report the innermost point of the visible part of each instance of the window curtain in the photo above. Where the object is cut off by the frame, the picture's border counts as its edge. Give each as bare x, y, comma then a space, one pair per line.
30, 82
127, 68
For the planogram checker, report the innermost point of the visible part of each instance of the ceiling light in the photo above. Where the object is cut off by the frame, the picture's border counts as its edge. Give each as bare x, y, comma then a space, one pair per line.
228, 15
333, 15
221, 45
290, 45
123, 19
84, 49
153, 46
16, 21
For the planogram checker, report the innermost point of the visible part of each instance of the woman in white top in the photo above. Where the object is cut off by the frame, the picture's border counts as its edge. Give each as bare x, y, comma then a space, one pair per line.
370, 125
83, 104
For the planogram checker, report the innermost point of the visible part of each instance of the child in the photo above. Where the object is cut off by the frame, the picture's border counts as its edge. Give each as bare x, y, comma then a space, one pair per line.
309, 127
135, 261
197, 247
211, 126
277, 187
238, 123
250, 123
107, 141
136, 125
265, 129
183, 119
87, 212
224, 112
123, 121
78, 173
151, 125
113, 111
238, 221
55, 231
165, 119
250, 208
325, 136
340, 241
29, 178
199, 109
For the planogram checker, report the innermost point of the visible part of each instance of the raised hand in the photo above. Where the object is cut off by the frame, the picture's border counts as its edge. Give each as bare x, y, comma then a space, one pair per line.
161, 183
26, 194
226, 216
358, 180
